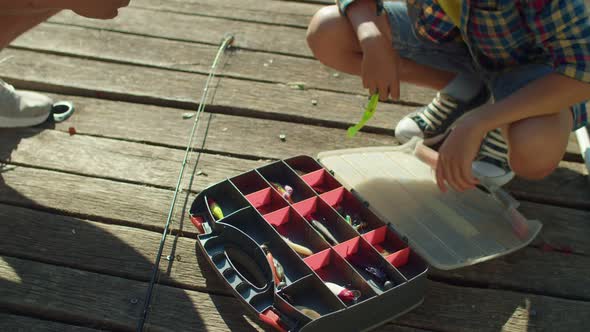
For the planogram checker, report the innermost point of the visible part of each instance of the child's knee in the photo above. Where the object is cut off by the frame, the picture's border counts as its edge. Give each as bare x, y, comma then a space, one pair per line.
530, 163
321, 26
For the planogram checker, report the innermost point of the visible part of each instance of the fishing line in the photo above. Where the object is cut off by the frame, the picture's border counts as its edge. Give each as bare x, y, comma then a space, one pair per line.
227, 41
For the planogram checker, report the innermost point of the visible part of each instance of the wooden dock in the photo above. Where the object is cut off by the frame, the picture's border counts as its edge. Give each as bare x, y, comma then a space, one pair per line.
81, 215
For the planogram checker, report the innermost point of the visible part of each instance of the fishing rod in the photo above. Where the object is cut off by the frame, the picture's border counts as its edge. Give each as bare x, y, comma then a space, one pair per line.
227, 41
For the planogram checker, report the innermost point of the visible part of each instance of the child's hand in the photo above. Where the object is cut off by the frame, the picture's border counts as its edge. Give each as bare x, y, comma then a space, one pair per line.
457, 154
380, 62
380, 67
101, 9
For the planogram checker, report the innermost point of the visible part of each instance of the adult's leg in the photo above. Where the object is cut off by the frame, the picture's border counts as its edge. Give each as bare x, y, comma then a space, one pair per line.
12, 26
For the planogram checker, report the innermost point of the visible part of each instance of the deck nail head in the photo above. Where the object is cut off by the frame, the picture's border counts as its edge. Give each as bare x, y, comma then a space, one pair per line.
133, 301
283, 137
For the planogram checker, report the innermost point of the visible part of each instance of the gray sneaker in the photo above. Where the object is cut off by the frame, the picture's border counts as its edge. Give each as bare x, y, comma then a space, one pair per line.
432, 122
22, 108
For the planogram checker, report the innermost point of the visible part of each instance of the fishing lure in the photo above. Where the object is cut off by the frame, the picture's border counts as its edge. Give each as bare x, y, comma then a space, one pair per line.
369, 112
343, 293
285, 191
302, 250
215, 209
308, 312
360, 226
278, 272
376, 273
305, 310
324, 231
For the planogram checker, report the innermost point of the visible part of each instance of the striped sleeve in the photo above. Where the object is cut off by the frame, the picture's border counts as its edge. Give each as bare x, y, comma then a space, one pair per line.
343, 6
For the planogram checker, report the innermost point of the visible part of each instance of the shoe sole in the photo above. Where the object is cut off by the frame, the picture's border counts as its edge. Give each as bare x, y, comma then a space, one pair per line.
21, 123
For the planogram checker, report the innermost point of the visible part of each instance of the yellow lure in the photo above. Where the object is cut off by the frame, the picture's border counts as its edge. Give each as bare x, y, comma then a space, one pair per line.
215, 209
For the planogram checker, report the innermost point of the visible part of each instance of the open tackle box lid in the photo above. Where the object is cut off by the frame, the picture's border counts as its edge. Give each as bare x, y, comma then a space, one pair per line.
449, 230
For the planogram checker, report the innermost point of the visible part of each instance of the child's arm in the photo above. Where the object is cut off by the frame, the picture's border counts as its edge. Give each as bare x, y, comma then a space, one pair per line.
380, 62
548, 95
567, 44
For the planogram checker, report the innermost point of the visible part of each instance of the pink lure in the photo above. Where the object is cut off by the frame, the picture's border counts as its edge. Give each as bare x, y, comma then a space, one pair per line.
344, 294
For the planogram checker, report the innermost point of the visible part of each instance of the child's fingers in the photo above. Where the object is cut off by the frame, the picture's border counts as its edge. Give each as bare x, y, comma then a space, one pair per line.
383, 92
461, 181
373, 88
467, 174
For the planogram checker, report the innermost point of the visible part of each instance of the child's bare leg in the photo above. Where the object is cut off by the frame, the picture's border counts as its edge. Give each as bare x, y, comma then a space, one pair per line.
12, 26
333, 42
538, 144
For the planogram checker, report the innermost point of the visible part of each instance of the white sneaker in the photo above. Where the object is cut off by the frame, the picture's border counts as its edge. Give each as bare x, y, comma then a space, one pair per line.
22, 108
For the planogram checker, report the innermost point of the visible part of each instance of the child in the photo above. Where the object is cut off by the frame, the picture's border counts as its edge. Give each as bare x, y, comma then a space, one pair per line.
531, 58
26, 108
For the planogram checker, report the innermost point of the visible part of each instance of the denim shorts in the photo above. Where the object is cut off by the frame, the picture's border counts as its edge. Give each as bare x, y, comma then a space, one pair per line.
455, 57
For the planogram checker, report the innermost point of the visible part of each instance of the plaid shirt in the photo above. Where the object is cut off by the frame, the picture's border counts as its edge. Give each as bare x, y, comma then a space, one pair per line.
504, 33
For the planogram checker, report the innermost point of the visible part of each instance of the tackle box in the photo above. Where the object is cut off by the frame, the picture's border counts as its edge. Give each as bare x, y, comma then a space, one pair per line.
383, 222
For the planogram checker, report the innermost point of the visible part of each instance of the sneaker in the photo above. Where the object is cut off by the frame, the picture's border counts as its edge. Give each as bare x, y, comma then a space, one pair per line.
22, 108
433, 121
492, 160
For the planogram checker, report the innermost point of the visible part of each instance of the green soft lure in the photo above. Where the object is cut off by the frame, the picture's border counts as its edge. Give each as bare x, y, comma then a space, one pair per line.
369, 112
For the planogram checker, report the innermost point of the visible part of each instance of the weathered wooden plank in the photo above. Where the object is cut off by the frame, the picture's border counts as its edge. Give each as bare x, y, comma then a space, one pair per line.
226, 133
193, 57
113, 159
449, 308
168, 88
270, 12
111, 302
98, 199
275, 39
493, 310
529, 270
10, 322
561, 226
557, 188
